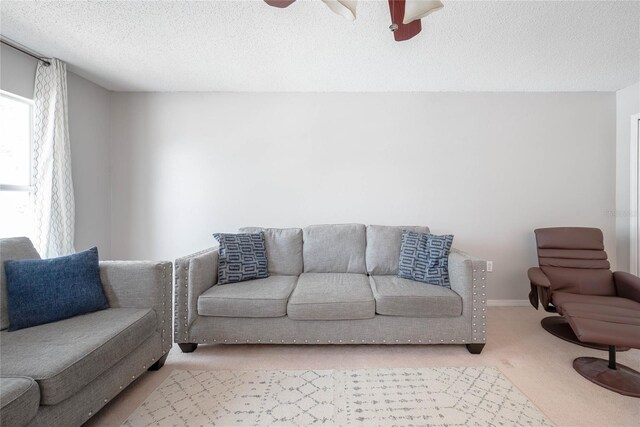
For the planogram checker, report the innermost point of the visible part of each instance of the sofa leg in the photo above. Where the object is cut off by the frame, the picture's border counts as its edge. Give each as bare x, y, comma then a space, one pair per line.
159, 363
475, 348
188, 347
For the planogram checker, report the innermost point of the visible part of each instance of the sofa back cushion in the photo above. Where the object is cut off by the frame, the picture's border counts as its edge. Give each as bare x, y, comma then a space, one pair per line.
383, 247
284, 249
338, 248
12, 249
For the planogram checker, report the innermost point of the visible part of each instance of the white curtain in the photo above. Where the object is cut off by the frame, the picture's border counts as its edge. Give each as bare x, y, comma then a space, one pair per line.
54, 206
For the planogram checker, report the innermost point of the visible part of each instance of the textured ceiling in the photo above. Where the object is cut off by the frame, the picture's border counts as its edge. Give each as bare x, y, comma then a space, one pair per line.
249, 46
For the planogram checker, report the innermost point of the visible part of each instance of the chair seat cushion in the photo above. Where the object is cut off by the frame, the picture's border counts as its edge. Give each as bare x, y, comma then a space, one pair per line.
19, 400
408, 298
332, 296
253, 298
605, 324
559, 299
65, 356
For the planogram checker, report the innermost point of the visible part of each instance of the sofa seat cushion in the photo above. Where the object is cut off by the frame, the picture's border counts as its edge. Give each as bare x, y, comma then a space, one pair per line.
253, 298
408, 298
19, 400
332, 296
65, 356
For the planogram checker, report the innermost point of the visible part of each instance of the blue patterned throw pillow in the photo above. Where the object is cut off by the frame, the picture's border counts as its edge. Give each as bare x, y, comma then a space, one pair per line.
47, 290
424, 257
242, 257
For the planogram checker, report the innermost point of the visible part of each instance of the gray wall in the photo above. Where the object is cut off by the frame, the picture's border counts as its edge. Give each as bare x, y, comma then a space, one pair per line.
89, 133
627, 104
487, 167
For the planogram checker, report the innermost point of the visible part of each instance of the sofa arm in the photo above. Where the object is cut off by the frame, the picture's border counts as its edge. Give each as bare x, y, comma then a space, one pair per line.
194, 274
627, 285
141, 284
468, 277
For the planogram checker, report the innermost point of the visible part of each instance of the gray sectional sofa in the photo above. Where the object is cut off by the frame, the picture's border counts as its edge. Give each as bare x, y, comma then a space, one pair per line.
330, 284
61, 373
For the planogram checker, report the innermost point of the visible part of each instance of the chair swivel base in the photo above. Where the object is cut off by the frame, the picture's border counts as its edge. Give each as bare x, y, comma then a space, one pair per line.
559, 326
622, 379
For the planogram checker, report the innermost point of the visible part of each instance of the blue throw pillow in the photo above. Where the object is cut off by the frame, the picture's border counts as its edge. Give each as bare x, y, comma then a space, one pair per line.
424, 257
242, 257
47, 290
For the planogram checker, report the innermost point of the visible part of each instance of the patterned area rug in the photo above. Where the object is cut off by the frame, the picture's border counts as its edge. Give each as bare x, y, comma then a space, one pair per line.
404, 397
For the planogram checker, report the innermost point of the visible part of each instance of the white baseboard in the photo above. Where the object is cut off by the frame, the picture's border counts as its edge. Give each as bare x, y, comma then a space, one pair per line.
508, 302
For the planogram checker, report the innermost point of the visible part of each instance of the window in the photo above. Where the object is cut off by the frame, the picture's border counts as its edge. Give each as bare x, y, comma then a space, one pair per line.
15, 165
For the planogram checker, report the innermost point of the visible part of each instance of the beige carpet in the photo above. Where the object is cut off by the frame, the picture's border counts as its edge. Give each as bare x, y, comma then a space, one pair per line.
537, 363
479, 396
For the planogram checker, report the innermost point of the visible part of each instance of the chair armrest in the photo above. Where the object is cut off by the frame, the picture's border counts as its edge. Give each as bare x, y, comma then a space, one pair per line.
194, 274
141, 284
540, 288
627, 285
538, 278
468, 277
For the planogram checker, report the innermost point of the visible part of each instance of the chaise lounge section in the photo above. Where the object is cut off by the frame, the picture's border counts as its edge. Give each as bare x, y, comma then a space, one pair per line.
330, 284
61, 373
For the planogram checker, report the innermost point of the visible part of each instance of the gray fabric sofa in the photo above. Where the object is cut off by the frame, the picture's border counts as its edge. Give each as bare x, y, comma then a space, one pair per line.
330, 284
61, 373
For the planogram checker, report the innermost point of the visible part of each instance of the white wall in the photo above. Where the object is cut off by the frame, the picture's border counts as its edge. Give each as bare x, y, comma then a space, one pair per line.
89, 134
487, 167
627, 104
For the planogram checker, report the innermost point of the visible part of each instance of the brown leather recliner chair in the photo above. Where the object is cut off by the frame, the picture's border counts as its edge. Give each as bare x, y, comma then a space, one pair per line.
573, 267
600, 308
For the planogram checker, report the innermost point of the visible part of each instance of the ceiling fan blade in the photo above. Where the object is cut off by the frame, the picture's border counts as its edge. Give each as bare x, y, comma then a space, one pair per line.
404, 31
344, 8
417, 9
279, 3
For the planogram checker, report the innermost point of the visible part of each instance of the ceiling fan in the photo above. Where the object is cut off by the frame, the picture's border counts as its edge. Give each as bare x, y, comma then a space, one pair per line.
405, 14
